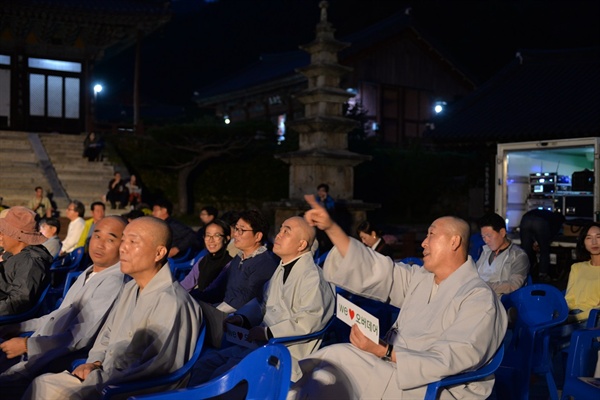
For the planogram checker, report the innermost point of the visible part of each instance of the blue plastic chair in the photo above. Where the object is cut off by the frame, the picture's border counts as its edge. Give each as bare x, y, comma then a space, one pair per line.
304, 338
157, 382
466, 377
180, 269
583, 355
267, 372
538, 307
69, 262
31, 313
411, 261
320, 258
69, 280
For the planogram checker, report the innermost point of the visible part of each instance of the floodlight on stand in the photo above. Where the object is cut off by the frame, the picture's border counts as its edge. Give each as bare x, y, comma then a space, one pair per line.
226, 119
97, 88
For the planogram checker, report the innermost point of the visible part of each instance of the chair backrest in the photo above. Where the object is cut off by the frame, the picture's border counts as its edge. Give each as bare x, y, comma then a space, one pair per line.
593, 319
24, 316
465, 377
412, 261
320, 259
171, 378
538, 306
70, 261
267, 372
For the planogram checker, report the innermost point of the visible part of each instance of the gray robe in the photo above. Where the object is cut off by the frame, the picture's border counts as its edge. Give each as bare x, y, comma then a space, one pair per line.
148, 333
71, 327
459, 329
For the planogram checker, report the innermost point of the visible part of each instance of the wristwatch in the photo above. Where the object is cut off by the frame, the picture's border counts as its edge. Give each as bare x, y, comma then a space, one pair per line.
388, 353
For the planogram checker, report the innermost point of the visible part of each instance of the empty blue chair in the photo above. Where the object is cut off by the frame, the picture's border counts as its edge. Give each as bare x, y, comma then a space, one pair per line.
69, 262
31, 313
69, 280
466, 377
538, 307
583, 355
267, 372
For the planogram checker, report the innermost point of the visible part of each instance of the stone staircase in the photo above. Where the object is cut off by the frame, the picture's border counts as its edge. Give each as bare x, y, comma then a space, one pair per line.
54, 162
20, 170
81, 179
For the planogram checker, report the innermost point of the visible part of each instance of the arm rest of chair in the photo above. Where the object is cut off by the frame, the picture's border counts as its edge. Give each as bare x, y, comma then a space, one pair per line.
77, 363
302, 338
469, 376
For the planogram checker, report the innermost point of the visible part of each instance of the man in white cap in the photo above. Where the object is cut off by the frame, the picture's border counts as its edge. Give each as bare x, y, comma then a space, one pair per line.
24, 265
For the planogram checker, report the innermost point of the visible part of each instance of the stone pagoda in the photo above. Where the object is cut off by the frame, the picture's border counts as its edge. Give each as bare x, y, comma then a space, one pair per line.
323, 155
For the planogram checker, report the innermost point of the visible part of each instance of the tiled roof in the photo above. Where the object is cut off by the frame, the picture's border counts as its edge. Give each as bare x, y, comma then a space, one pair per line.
541, 94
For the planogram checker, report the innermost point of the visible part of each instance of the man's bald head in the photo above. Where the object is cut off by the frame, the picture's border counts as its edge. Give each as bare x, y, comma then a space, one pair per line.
295, 238
157, 229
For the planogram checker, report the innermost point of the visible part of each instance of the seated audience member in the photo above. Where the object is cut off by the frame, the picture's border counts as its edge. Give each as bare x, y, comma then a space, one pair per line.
40, 204
117, 192
297, 301
134, 190
75, 213
68, 332
50, 228
540, 226
216, 237
371, 237
92, 147
25, 262
98, 211
151, 331
502, 265
451, 321
244, 279
184, 237
231, 218
583, 287
207, 215
324, 198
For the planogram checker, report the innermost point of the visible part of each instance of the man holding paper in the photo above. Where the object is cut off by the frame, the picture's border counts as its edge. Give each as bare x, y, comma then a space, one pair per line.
450, 322
297, 301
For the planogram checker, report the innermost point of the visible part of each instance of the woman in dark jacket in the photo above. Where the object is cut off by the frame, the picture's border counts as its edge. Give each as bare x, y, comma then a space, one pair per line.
371, 237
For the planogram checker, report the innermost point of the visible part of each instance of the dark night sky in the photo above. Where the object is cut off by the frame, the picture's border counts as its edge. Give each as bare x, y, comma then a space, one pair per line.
205, 42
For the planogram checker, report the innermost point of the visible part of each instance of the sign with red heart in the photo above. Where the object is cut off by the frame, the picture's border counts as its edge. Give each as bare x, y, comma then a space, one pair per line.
351, 314
238, 335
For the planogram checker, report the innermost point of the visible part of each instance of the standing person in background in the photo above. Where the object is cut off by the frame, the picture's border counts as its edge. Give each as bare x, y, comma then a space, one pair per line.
40, 204
207, 215
583, 287
50, 228
75, 213
502, 265
324, 198
371, 237
540, 226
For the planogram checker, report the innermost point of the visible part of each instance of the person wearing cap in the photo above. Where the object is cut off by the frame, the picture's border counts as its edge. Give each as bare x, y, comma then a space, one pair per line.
23, 271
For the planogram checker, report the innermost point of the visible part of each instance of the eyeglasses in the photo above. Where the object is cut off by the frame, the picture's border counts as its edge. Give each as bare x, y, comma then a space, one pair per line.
216, 237
241, 231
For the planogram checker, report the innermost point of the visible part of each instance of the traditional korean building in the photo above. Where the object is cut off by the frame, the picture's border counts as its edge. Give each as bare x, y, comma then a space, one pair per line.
48, 49
397, 75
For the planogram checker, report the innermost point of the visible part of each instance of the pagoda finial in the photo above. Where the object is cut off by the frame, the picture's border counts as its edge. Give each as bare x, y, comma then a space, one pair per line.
323, 5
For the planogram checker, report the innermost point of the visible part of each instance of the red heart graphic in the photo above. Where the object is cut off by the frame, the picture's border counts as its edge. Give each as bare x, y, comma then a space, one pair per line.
351, 314
240, 335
